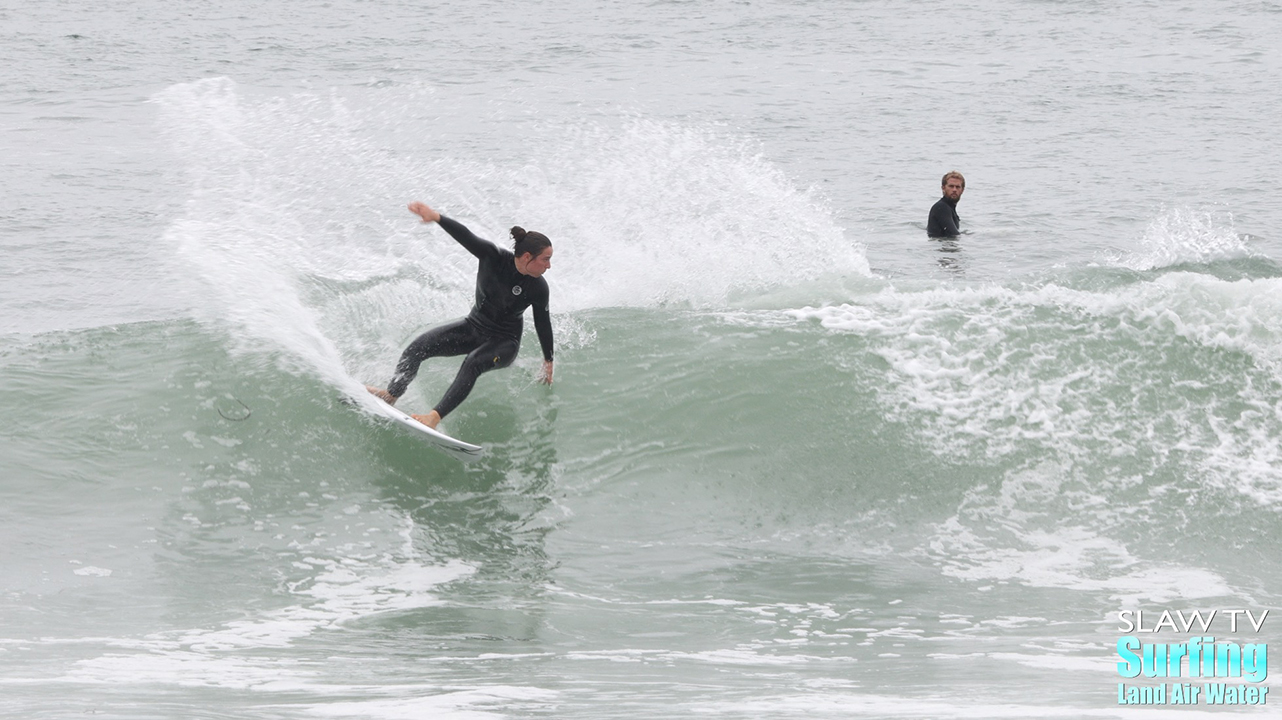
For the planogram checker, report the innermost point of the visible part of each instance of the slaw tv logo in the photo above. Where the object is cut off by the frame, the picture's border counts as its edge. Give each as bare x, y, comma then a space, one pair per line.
1235, 668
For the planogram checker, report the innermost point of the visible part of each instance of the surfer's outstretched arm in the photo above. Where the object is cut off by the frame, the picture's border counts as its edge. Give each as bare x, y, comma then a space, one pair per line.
457, 230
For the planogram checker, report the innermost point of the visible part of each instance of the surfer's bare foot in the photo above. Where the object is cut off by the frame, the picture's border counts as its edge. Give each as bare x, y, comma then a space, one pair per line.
431, 419
381, 394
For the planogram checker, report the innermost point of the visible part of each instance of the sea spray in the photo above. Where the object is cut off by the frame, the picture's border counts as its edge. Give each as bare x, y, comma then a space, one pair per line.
297, 232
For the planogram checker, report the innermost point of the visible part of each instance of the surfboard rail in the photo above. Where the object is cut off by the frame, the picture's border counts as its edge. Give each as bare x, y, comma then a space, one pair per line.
454, 447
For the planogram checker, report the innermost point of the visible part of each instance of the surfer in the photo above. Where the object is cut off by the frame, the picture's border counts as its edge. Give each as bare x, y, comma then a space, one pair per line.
943, 221
507, 282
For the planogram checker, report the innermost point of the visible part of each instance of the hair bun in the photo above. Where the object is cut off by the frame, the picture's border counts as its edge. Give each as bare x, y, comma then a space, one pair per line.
518, 233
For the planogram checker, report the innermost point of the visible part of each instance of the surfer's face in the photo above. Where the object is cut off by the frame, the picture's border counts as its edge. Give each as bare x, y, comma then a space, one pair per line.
535, 265
953, 189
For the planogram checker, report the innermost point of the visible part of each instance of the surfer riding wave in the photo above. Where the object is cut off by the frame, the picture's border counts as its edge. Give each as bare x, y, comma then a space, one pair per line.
507, 282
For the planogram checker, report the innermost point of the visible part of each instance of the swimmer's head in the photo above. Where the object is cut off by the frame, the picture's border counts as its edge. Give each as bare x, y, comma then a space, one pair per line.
533, 251
953, 185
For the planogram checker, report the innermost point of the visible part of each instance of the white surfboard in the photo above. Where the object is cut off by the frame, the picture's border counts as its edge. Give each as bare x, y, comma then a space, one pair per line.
451, 446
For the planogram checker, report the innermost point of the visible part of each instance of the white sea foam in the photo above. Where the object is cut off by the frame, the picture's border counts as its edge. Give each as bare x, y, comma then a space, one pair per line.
345, 589
993, 371
482, 703
838, 704
1019, 534
1075, 558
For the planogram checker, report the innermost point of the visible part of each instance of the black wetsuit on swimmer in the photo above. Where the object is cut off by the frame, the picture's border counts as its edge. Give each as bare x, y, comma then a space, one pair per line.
943, 221
490, 335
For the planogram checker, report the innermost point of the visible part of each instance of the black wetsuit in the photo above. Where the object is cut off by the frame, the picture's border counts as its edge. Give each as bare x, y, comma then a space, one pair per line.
943, 221
490, 335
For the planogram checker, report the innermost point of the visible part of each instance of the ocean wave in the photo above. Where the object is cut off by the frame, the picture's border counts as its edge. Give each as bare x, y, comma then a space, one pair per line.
1183, 369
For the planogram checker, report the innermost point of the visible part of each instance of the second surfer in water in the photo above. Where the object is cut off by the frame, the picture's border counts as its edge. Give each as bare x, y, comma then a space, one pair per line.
507, 282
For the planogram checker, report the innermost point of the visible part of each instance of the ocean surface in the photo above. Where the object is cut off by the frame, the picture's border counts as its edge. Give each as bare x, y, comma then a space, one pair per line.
799, 461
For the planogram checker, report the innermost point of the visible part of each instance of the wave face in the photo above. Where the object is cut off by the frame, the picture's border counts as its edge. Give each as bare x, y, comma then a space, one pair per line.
939, 465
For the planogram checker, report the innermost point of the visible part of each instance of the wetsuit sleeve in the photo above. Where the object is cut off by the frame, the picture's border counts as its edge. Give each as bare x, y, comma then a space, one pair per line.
543, 323
942, 222
949, 225
473, 244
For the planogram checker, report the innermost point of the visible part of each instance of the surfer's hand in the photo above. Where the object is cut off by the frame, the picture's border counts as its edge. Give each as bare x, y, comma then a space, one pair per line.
428, 214
545, 377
